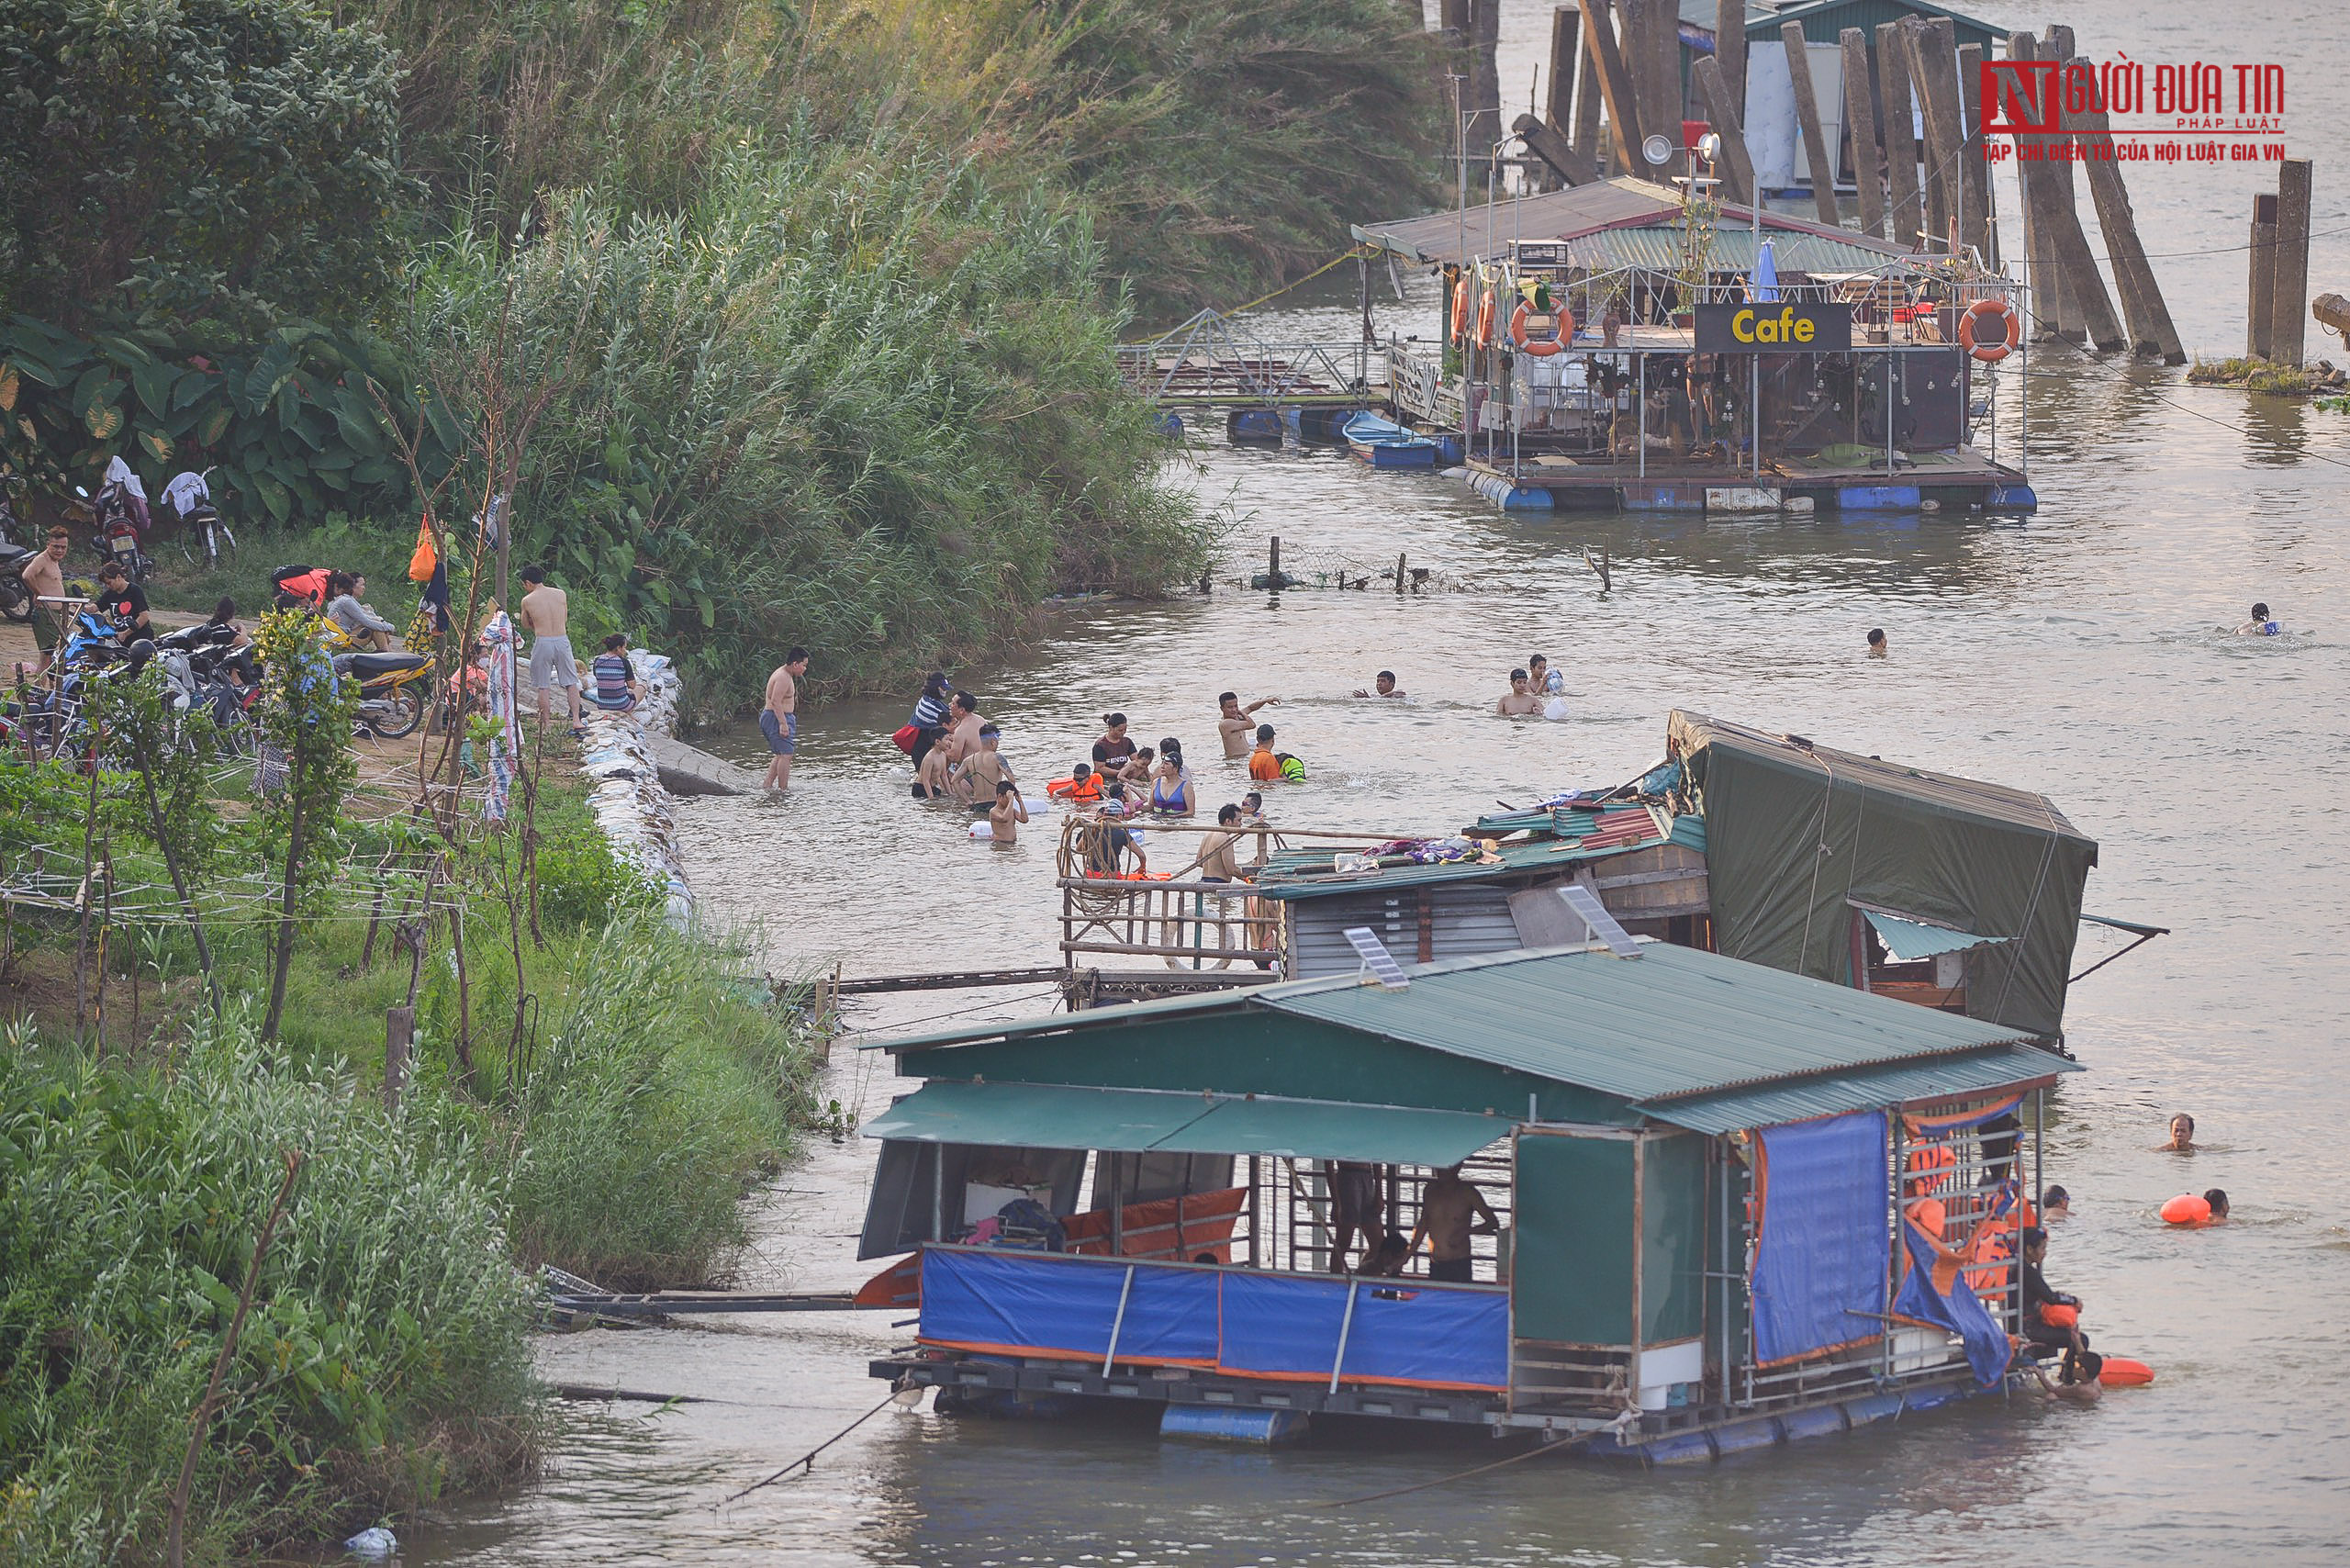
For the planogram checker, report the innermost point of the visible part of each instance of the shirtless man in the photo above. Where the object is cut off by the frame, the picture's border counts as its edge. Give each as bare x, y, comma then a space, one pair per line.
1217, 863
779, 718
963, 726
1233, 723
1519, 702
545, 613
1008, 812
1537, 673
1451, 1211
45, 579
1383, 686
984, 770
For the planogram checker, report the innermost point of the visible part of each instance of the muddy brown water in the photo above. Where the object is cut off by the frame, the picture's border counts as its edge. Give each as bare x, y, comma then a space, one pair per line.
2077, 653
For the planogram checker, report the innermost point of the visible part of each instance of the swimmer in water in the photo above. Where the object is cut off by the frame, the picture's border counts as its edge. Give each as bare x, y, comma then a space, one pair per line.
2260, 625
1384, 686
1538, 672
1519, 701
2218, 1198
1007, 813
2182, 1135
1232, 723
1877, 641
2076, 1379
2056, 1203
1252, 808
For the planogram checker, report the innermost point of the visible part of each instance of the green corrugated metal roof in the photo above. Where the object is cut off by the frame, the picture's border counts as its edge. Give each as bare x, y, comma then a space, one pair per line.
1914, 939
1661, 246
1824, 21
1052, 1023
1673, 1021
1867, 1089
1048, 1115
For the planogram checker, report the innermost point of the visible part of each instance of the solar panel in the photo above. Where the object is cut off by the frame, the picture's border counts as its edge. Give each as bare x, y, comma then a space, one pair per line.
1598, 921
1376, 959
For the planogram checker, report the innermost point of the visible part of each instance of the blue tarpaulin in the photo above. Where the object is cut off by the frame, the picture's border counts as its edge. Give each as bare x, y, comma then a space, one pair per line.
1821, 1253
1238, 1321
1960, 1311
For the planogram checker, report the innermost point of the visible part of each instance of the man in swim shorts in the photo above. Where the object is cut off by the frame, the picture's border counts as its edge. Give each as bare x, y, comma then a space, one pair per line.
545, 613
779, 718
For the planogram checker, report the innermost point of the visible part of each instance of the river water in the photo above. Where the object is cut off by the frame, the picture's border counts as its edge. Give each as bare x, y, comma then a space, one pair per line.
2077, 653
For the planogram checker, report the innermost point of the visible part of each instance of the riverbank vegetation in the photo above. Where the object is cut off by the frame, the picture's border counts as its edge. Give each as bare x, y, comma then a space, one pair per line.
586, 1086
817, 301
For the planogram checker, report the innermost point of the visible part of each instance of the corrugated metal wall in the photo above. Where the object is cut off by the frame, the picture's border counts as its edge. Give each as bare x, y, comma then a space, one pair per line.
1463, 921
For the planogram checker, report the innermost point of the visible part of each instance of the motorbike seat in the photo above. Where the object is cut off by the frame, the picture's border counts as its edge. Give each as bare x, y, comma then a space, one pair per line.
367, 666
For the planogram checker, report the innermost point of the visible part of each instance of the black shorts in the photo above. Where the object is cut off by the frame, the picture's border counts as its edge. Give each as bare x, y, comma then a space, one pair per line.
1452, 1271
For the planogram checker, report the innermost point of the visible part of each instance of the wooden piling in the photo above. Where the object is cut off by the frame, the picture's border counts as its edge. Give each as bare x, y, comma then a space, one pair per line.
2090, 308
2289, 292
1586, 126
1400, 578
2051, 302
1903, 214
1729, 52
1974, 216
1566, 64
1859, 125
1815, 141
2057, 45
1930, 79
1735, 165
2259, 315
1563, 158
1649, 27
2146, 319
1616, 86
1485, 74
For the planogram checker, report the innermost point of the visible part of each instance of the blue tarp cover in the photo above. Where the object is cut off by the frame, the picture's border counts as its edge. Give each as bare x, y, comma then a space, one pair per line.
1821, 1253
1238, 1321
1960, 1311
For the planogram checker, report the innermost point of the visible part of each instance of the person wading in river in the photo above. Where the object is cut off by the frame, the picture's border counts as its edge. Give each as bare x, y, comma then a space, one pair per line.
780, 717
1519, 701
1233, 725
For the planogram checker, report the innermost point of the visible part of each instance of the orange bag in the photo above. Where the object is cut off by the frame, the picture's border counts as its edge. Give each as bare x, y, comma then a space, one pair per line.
421, 565
2188, 1208
2057, 1317
2120, 1372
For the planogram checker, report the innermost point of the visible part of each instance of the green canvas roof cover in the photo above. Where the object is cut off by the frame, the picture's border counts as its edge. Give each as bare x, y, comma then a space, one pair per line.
1050, 1116
1307, 873
1796, 833
1914, 939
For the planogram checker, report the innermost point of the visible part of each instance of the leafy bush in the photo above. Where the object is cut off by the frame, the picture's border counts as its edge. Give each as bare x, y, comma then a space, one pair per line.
229, 159
384, 1355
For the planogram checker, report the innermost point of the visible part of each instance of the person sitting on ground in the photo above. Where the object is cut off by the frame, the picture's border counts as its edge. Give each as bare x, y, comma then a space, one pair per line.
2056, 1203
1171, 787
1232, 722
1451, 1210
126, 602
2260, 625
1382, 686
2076, 1377
2052, 1320
361, 625
2182, 1135
1877, 641
1519, 701
614, 687
1262, 766
1008, 812
1110, 753
1136, 770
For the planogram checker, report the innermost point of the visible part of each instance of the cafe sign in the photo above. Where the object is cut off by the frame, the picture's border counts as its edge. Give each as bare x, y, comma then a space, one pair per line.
1774, 329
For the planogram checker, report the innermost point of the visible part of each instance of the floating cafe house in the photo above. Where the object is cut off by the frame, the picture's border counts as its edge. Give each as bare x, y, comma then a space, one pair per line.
1747, 1056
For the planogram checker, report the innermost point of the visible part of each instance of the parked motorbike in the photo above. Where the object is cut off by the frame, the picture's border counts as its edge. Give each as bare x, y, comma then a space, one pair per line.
117, 535
205, 537
15, 594
393, 691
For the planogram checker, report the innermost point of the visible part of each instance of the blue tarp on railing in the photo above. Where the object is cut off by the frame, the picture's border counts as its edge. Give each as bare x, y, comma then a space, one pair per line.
1821, 1255
1238, 1321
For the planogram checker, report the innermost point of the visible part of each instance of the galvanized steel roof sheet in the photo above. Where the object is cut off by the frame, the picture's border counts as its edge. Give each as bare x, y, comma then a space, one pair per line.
1866, 1089
1575, 837
1673, 1021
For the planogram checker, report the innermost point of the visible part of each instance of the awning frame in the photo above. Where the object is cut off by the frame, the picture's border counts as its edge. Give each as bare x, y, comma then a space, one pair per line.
2145, 934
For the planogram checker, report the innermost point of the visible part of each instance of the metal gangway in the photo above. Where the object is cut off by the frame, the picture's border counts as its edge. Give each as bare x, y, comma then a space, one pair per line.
1211, 360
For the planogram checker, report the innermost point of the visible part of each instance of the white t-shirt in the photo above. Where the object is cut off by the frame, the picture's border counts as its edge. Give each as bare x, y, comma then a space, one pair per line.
186, 491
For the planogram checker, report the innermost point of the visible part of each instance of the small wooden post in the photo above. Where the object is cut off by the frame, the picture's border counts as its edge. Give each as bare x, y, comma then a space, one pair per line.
1736, 166
1983, 234
1614, 86
1905, 216
1399, 572
1859, 124
2260, 317
1815, 143
400, 1034
1730, 51
2288, 320
1273, 567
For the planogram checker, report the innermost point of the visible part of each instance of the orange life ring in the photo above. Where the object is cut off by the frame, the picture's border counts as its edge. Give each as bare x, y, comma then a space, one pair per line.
1485, 320
2188, 1208
2120, 1372
1461, 309
1563, 328
2008, 329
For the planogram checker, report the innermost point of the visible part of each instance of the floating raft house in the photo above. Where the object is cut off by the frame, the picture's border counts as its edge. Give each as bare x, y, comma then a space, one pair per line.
1695, 1162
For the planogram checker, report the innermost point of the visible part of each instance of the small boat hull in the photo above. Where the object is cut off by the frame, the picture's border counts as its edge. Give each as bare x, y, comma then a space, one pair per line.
1383, 444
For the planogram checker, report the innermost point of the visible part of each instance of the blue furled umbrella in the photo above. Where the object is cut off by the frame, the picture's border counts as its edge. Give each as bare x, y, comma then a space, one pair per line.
1766, 275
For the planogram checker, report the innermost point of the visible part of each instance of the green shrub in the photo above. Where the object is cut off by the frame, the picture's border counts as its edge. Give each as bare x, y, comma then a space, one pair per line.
384, 1357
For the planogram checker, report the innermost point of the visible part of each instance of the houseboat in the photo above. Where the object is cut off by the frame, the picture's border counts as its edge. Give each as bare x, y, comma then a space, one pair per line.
1715, 1198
